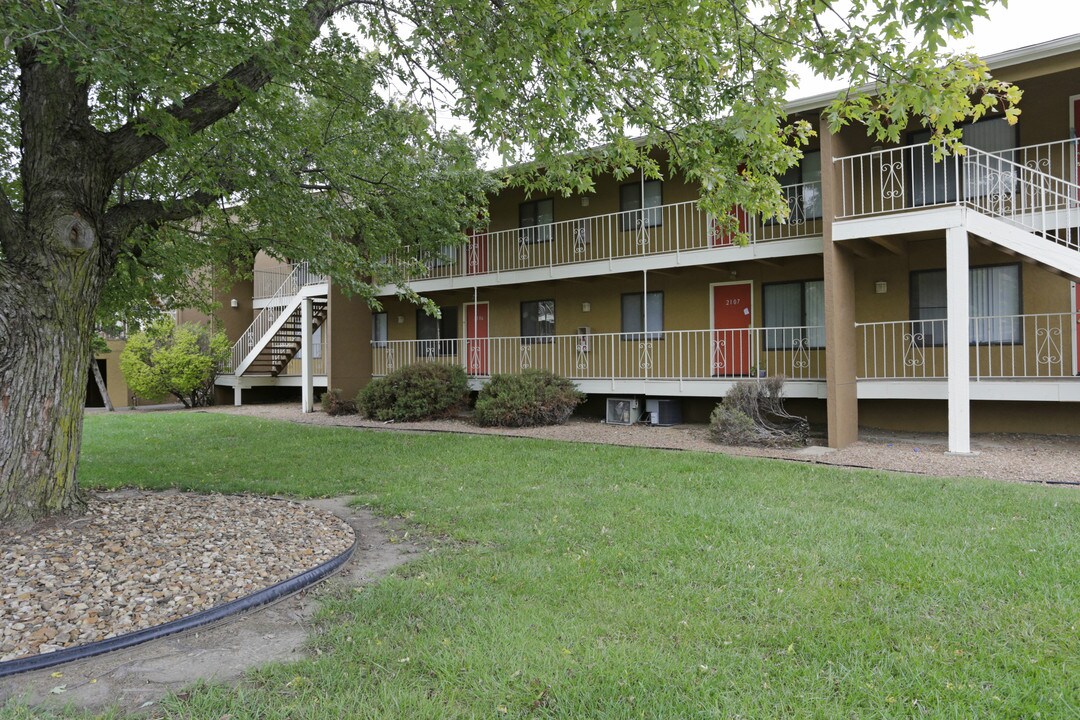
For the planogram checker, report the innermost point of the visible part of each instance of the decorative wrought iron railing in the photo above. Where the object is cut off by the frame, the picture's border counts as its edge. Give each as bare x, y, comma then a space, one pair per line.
1036, 191
673, 228
1004, 346
796, 352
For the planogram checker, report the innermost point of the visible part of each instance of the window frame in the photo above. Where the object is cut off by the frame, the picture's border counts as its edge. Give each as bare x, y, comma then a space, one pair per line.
634, 335
536, 232
973, 339
535, 337
653, 218
375, 340
448, 319
768, 344
951, 191
799, 171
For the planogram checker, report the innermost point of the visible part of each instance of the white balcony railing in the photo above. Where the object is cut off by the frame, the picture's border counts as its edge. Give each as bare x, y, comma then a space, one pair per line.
1002, 347
795, 352
1059, 159
673, 228
266, 282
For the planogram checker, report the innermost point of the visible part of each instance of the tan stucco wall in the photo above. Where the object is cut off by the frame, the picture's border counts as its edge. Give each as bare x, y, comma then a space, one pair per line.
986, 416
114, 379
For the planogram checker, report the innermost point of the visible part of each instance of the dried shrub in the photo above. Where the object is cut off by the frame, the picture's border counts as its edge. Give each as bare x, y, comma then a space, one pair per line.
423, 391
753, 413
333, 404
532, 397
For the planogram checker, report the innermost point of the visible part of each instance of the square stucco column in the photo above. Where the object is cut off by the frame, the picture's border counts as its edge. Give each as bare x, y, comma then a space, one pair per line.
840, 340
348, 333
957, 297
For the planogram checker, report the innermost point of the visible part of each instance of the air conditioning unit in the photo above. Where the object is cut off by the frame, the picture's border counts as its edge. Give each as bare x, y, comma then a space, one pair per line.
623, 411
663, 411
583, 342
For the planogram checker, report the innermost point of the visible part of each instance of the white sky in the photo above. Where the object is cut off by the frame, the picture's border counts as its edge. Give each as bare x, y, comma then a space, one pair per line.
1022, 23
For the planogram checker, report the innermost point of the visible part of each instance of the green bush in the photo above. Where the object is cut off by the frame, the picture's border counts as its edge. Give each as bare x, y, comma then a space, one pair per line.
532, 397
415, 392
166, 359
333, 404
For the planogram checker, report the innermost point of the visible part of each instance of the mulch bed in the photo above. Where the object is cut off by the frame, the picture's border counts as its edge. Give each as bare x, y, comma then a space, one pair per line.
136, 560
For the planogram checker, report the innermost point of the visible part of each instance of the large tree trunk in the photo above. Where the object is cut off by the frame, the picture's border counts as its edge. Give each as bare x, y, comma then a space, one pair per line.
51, 276
43, 379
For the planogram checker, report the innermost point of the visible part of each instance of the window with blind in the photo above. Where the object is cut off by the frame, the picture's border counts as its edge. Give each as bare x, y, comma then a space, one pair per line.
794, 311
438, 335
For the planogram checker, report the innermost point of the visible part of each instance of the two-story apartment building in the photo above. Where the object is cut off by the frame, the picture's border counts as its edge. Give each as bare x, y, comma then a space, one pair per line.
899, 292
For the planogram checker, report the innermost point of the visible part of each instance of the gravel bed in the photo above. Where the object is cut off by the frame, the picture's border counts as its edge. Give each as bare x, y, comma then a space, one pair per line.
1019, 458
140, 559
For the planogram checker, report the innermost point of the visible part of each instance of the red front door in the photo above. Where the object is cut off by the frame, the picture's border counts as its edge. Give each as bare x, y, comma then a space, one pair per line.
476, 334
718, 237
476, 260
732, 316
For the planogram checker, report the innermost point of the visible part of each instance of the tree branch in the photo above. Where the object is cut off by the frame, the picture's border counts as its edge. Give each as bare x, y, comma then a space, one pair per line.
122, 220
129, 145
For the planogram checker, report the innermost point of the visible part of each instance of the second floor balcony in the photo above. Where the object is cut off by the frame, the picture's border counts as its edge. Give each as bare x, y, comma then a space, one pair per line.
678, 232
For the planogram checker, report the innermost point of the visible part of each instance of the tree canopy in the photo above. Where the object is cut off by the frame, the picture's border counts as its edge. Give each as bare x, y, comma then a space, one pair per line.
306, 128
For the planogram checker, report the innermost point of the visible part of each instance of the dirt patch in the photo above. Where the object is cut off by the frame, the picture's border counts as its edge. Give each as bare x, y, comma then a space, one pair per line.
137, 678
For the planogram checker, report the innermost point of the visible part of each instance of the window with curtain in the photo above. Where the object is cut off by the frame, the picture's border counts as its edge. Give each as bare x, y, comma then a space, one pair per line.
538, 319
799, 308
634, 314
935, 182
630, 196
379, 330
534, 219
994, 302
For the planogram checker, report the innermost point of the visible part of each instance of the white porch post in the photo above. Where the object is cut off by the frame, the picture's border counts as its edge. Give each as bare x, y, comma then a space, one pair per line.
307, 391
237, 393
956, 282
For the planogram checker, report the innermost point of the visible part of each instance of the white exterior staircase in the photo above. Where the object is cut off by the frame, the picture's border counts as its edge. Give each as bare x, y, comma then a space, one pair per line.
274, 336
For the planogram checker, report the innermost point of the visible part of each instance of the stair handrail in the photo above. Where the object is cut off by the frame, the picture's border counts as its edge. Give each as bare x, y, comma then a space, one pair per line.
300, 277
1022, 195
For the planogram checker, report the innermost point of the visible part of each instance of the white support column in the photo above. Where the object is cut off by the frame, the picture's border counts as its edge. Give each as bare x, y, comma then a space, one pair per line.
237, 393
307, 391
956, 282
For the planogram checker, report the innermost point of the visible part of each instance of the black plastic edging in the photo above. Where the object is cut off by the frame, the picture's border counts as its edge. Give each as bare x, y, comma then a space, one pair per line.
204, 617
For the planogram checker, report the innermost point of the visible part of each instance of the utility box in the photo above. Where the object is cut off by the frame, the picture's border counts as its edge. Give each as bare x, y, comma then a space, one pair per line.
663, 411
623, 411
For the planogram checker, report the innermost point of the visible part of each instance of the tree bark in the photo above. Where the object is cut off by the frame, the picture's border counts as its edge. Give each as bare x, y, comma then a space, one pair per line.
42, 393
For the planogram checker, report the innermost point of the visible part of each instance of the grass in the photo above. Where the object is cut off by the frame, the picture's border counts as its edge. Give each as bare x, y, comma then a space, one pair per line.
609, 582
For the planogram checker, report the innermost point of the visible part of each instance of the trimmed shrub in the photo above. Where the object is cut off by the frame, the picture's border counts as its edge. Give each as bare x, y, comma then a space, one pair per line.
333, 404
532, 397
423, 391
753, 413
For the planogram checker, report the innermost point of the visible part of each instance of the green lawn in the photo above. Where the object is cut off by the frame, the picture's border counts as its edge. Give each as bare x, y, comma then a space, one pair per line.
609, 582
